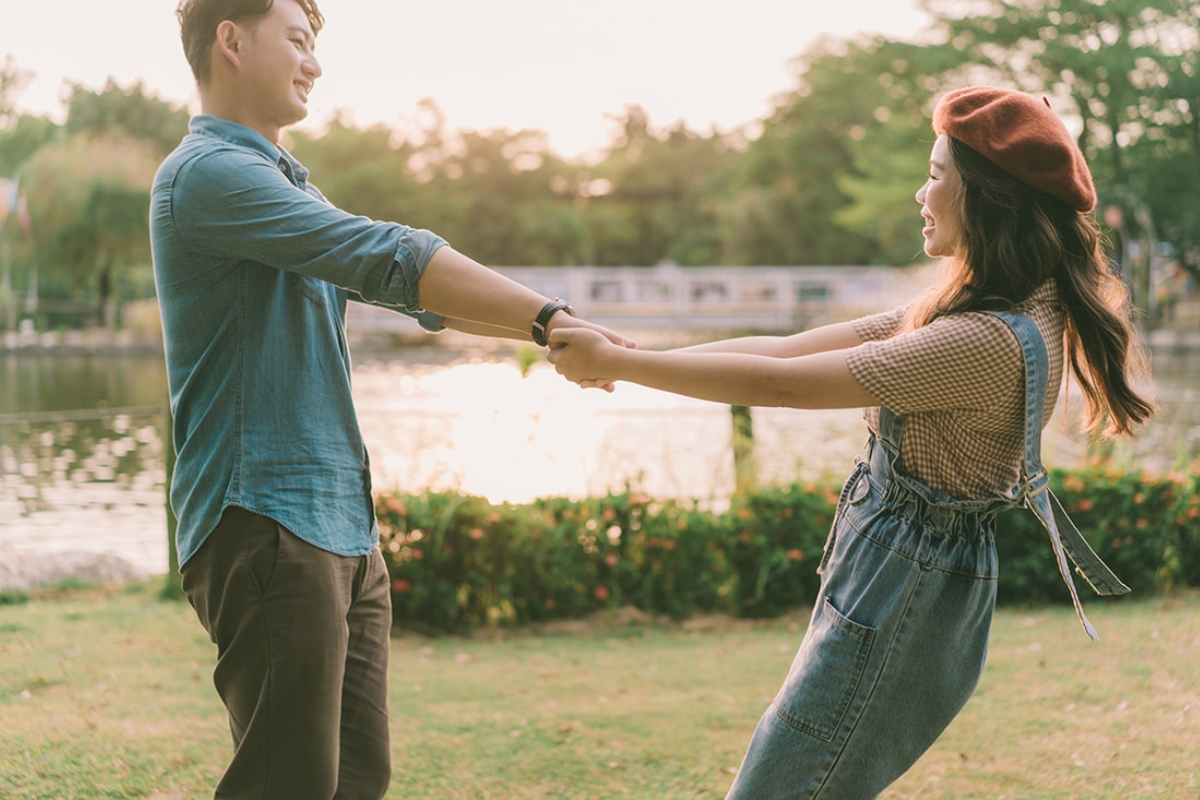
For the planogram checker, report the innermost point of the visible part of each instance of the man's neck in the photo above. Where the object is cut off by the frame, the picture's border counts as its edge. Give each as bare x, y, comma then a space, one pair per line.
222, 108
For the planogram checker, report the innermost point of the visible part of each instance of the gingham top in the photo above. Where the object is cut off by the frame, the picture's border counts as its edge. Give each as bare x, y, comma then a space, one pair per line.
961, 381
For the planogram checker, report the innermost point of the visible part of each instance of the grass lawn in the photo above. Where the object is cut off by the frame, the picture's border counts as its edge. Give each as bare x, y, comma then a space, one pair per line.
108, 694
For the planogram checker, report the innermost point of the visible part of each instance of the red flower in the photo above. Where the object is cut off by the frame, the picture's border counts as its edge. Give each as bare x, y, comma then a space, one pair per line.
611, 559
795, 555
401, 586
476, 533
600, 593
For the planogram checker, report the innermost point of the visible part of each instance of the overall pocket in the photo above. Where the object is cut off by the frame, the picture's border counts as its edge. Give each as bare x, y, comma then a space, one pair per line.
854, 490
825, 674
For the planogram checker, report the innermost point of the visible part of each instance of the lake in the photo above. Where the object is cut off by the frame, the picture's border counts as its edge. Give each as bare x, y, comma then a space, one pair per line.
82, 459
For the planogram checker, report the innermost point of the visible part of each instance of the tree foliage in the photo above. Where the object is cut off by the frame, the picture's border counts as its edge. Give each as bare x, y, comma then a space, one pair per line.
1127, 70
20, 134
90, 200
131, 112
827, 177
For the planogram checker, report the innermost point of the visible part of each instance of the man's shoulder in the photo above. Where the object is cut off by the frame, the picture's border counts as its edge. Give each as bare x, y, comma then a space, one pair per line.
200, 160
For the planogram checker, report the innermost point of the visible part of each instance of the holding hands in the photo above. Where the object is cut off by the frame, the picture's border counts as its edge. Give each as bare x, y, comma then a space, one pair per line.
584, 354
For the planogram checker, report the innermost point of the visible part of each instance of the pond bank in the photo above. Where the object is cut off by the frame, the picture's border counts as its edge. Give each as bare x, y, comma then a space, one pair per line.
24, 571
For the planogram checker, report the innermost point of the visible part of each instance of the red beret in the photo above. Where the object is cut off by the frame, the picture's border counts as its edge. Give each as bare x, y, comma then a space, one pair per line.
1022, 136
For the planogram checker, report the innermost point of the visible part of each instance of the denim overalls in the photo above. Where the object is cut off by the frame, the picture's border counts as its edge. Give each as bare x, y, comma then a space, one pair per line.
899, 630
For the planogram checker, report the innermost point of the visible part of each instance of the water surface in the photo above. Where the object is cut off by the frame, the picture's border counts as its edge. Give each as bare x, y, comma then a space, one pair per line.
82, 442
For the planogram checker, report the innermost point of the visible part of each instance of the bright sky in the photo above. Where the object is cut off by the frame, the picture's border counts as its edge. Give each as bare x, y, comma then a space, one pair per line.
557, 65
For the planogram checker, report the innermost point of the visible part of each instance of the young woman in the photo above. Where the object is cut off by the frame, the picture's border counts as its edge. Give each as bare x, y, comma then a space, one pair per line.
957, 388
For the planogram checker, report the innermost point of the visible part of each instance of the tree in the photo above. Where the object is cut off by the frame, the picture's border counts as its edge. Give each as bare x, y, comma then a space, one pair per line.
502, 196
89, 202
20, 134
889, 151
657, 194
1128, 70
789, 195
115, 111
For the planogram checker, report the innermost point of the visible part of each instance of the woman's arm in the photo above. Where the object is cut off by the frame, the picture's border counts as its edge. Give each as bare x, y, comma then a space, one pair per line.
837, 336
819, 380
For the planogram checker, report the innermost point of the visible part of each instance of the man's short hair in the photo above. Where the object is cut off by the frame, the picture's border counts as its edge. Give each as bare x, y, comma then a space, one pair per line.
198, 21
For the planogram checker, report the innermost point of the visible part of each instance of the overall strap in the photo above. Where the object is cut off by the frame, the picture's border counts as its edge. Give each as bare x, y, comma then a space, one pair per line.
1034, 489
891, 431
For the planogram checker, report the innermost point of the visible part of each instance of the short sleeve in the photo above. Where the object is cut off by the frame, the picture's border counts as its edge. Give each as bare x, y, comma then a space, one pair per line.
961, 362
878, 326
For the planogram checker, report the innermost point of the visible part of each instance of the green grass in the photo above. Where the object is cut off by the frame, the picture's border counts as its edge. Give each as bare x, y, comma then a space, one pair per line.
107, 694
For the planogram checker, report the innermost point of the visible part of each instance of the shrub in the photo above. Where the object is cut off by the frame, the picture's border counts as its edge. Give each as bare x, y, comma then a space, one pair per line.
459, 562
778, 536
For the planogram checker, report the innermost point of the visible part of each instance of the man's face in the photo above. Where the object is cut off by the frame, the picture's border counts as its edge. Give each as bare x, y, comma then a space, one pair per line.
278, 65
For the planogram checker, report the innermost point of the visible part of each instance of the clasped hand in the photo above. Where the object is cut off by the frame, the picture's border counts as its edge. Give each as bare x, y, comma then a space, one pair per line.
578, 354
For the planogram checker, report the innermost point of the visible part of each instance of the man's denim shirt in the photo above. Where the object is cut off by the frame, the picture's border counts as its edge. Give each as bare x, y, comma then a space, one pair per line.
253, 269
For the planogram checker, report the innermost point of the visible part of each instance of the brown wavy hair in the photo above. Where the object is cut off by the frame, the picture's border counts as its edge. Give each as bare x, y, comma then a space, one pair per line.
1015, 238
198, 21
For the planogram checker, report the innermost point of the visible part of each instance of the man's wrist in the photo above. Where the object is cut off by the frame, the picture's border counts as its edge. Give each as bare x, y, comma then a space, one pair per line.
543, 319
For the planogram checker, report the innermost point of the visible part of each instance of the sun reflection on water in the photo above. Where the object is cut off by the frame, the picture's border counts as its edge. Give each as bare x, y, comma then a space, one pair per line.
482, 428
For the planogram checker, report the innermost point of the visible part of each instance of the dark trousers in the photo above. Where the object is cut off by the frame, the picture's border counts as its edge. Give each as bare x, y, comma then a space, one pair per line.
302, 658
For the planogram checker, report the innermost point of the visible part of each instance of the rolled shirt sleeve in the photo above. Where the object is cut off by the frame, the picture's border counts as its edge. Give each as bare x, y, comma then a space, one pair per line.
234, 204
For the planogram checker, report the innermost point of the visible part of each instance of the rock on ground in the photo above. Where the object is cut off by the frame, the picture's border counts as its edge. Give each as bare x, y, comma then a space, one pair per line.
34, 570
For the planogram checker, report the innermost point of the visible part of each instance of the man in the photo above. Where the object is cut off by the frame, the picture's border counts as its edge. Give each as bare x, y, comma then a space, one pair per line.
277, 537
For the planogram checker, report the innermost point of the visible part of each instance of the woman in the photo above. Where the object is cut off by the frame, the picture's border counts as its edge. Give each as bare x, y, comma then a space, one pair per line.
957, 388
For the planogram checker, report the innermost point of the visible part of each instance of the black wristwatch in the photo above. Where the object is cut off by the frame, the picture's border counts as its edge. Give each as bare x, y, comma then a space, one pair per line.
543, 317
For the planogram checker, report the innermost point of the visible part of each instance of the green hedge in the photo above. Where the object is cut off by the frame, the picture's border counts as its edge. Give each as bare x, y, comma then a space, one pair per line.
459, 562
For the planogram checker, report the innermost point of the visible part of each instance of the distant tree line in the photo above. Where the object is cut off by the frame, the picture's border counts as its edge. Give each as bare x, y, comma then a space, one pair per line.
827, 178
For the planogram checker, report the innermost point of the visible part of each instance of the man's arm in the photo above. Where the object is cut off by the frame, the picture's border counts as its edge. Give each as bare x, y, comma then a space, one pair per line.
238, 205
461, 289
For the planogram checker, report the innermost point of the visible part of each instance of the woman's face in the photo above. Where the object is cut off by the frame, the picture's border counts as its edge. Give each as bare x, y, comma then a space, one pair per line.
940, 204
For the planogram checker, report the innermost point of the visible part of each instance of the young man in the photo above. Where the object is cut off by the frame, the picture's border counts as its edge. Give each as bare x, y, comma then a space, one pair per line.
277, 537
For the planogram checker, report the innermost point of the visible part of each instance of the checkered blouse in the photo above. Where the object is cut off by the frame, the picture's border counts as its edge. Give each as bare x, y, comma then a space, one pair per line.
961, 381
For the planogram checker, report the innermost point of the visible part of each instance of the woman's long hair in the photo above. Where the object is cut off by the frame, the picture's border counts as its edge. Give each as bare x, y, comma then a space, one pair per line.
1015, 238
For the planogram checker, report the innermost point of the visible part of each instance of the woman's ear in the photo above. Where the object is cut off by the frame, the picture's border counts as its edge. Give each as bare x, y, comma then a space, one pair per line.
228, 42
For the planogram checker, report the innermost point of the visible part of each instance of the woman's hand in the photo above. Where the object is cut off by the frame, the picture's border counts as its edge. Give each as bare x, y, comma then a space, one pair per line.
579, 354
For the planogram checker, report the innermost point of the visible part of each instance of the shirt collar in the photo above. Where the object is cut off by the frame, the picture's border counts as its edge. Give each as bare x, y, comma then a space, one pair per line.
236, 133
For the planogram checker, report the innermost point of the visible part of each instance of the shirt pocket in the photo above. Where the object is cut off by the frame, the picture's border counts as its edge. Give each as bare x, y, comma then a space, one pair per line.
826, 674
314, 289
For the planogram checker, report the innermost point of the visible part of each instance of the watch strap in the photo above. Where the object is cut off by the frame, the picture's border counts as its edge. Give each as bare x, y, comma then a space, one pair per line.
543, 319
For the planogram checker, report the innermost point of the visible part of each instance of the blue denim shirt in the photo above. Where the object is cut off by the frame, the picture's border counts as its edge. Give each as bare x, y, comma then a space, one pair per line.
253, 269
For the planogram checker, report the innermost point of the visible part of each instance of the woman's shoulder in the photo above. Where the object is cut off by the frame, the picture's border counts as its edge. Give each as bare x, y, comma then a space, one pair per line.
1043, 307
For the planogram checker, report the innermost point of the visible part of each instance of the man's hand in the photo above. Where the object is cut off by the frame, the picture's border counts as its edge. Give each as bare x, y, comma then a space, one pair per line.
578, 353
561, 320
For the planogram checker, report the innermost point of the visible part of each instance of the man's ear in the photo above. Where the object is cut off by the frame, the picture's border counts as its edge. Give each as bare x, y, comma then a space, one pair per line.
228, 42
